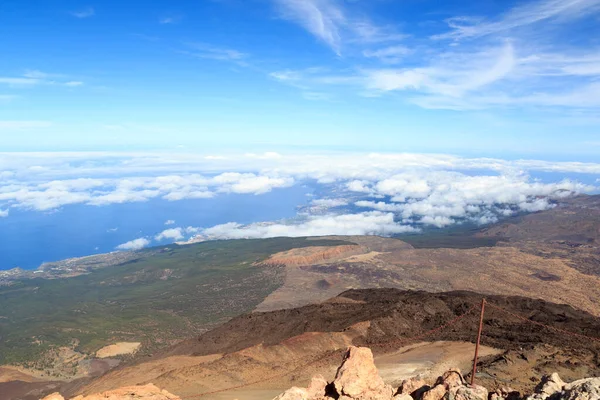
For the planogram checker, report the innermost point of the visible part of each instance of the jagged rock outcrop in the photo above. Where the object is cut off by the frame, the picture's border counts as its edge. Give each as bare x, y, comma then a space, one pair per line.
146, 392
358, 379
549, 385
583, 389
412, 386
553, 388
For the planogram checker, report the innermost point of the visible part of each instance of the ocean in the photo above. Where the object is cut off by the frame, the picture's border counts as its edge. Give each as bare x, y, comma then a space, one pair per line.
29, 238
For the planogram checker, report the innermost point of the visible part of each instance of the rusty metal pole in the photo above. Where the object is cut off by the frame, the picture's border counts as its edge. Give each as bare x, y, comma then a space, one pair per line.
478, 340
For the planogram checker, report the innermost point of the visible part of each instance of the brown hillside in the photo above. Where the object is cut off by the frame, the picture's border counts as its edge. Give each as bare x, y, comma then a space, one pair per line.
252, 347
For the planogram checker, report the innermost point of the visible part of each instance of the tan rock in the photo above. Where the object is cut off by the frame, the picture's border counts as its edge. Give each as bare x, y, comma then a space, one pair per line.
316, 387
549, 385
54, 396
436, 393
146, 392
474, 392
411, 385
583, 389
358, 378
452, 378
294, 393
402, 396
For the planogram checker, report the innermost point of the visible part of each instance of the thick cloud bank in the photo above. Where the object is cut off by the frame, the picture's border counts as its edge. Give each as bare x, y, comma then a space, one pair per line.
373, 193
365, 223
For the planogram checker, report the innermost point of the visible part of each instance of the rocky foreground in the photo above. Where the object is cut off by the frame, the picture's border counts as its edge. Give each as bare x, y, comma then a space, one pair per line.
358, 379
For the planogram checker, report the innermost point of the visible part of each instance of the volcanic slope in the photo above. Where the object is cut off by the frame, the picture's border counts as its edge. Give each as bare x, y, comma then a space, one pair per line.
261, 345
161, 296
570, 232
504, 270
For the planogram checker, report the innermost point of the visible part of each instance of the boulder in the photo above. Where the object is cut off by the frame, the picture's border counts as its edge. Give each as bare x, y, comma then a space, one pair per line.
317, 387
550, 385
464, 392
436, 393
402, 396
294, 393
357, 377
583, 389
412, 385
451, 378
505, 393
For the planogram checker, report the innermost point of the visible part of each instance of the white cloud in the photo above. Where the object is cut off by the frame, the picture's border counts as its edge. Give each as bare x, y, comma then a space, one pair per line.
34, 77
525, 14
322, 18
169, 222
329, 203
441, 198
331, 22
202, 50
390, 55
518, 58
170, 234
3, 213
18, 81
85, 13
367, 223
452, 79
438, 221
136, 244
417, 188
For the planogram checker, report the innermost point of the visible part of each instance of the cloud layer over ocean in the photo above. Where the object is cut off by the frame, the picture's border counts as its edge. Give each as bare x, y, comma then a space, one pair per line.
359, 193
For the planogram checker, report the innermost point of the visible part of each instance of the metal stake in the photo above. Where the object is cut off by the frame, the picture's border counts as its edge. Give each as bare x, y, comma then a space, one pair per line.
478, 340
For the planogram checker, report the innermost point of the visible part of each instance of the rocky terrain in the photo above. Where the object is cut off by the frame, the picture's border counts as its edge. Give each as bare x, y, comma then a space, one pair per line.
384, 262
357, 378
145, 392
395, 324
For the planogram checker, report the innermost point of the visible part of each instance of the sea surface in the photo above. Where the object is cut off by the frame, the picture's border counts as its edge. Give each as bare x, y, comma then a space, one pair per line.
29, 238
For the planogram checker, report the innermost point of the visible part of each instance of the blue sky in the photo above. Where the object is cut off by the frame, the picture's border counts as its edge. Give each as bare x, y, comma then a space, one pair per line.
495, 78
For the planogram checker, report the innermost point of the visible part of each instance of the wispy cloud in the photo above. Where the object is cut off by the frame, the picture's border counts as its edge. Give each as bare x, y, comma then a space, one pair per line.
84, 13
169, 20
388, 55
202, 50
331, 22
452, 76
323, 18
523, 15
505, 62
19, 81
34, 77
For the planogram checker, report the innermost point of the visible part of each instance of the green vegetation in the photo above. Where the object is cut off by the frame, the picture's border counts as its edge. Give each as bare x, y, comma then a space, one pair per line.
171, 293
